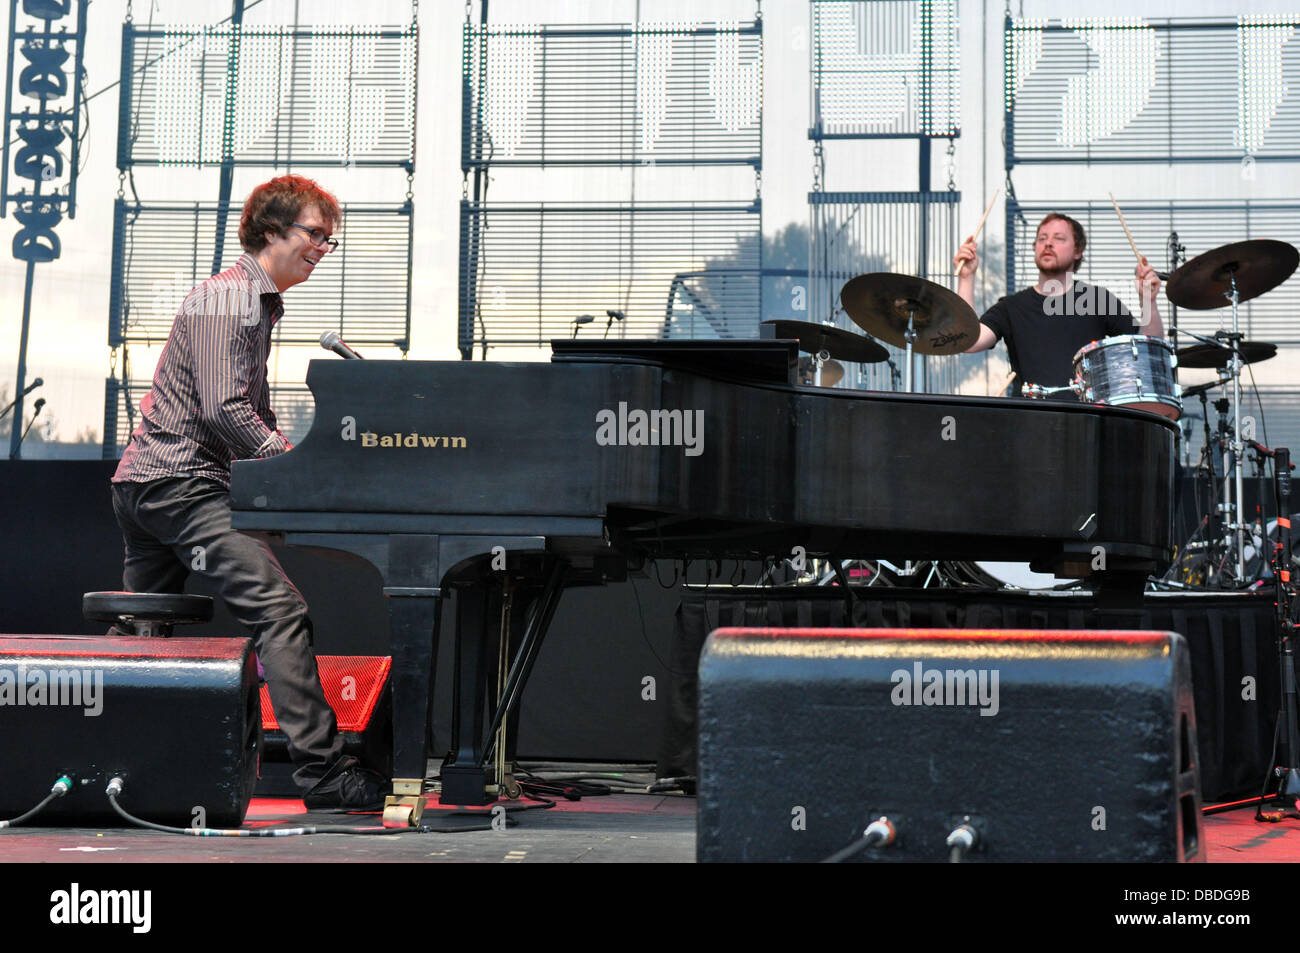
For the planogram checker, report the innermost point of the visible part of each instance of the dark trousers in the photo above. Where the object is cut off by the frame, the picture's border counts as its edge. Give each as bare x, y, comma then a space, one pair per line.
176, 526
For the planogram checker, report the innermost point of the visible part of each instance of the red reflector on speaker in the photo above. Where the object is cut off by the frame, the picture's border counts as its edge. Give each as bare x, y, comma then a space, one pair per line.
352, 684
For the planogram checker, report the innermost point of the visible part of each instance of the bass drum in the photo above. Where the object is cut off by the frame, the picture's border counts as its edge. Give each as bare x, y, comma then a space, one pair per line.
1004, 575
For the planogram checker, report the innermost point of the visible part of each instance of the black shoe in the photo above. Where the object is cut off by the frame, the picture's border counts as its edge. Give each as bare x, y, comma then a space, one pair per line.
348, 787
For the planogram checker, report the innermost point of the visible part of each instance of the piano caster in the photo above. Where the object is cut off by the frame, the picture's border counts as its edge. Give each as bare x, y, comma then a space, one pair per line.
408, 810
512, 788
405, 806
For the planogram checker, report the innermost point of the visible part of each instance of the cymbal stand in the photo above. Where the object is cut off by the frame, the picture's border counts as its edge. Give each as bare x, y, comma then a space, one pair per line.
820, 358
1238, 448
909, 337
1223, 441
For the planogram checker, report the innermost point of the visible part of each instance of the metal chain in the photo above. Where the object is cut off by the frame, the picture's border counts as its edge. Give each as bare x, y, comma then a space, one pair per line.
415, 11
121, 184
952, 165
758, 182
410, 186
129, 17
112, 362
819, 165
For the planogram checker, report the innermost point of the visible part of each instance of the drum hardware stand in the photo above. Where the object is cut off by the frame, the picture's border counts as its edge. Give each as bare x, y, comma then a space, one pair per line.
1176, 251
909, 336
820, 358
1229, 440
1234, 340
895, 375
910, 569
1038, 390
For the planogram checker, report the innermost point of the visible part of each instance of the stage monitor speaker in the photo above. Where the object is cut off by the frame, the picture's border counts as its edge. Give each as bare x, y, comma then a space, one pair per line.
357, 688
1021, 745
177, 719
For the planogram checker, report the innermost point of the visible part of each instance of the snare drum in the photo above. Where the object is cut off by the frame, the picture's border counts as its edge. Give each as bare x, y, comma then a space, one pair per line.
1130, 370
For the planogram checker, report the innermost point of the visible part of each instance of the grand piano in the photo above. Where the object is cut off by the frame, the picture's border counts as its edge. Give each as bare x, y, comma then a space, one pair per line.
481, 490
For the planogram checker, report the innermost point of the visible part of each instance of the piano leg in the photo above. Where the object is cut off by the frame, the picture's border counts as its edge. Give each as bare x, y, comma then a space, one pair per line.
464, 776
413, 622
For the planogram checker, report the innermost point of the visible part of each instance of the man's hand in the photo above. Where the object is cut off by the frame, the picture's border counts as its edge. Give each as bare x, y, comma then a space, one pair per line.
1148, 281
1148, 286
968, 258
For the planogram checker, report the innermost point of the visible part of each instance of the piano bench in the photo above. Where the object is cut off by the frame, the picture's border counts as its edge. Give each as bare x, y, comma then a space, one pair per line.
148, 614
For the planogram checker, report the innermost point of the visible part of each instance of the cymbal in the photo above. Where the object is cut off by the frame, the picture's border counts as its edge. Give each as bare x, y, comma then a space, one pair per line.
1211, 355
1259, 265
879, 303
845, 345
832, 372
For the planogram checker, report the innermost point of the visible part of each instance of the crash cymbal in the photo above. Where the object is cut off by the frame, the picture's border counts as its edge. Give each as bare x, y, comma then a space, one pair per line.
1259, 266
845, 345
879, 303
832, 372
1211, 355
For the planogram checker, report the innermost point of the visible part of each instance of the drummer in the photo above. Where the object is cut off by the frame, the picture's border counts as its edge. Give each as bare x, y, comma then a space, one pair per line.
1045, 326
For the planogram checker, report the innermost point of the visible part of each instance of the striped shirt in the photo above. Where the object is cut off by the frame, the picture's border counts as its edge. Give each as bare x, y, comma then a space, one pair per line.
210, 402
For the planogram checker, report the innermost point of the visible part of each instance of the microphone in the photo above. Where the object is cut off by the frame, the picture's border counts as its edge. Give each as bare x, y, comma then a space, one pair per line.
14, 403
581, 320
613, 316
36, 410
331, 341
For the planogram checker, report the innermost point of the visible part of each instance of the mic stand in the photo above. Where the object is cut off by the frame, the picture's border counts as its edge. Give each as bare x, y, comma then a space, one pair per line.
18, 448
1288, 773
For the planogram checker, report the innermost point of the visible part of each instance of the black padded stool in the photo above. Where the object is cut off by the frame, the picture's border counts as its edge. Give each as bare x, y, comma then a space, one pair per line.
149, 614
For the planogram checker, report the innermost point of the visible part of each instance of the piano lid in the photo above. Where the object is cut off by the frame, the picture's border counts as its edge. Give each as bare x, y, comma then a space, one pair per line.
761, 361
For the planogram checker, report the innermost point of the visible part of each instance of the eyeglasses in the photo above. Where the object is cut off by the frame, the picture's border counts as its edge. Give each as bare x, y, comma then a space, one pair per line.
317, 236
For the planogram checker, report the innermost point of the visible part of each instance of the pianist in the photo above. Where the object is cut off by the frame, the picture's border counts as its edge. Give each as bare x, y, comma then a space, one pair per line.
1044, 326
209, 405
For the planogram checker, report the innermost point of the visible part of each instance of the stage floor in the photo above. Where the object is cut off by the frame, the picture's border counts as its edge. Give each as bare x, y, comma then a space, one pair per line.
617, 828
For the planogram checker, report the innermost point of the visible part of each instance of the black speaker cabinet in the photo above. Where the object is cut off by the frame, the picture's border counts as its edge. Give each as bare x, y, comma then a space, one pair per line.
177, 719
1048, 746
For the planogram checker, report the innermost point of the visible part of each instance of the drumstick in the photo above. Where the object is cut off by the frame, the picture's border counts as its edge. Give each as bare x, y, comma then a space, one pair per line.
980, 227
1132, 244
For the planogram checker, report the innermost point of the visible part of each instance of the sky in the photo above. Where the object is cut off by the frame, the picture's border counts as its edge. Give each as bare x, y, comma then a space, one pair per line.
68, 344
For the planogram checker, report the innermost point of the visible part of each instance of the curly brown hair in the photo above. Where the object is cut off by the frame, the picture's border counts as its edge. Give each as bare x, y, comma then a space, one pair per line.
1080, 239
274, 206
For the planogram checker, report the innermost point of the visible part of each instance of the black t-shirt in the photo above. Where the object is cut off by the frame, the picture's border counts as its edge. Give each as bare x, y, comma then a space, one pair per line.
1043, 333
